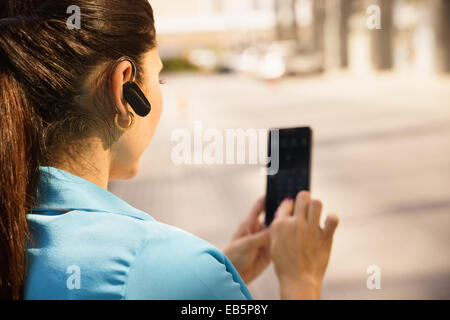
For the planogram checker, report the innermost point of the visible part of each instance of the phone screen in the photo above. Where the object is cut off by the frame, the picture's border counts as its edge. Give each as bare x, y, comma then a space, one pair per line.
294, 147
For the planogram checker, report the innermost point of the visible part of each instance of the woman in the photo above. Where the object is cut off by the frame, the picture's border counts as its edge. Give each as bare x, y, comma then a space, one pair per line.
66, 130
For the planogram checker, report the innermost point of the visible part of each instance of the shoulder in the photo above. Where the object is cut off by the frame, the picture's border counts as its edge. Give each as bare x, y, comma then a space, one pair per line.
126, 257
178, 265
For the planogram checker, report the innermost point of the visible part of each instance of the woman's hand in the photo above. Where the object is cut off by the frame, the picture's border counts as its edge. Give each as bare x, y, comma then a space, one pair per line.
249, 248
300, 248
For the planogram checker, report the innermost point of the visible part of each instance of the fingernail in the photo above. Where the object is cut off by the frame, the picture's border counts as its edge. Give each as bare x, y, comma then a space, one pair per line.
275, 216
287, 199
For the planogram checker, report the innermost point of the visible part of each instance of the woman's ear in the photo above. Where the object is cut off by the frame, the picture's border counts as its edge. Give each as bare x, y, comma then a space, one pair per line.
122, 73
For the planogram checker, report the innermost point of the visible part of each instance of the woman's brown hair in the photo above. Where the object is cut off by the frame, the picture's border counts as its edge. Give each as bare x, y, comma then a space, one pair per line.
43, 66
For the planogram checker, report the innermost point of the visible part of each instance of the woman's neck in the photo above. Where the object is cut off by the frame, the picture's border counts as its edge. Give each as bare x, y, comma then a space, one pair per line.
93, 166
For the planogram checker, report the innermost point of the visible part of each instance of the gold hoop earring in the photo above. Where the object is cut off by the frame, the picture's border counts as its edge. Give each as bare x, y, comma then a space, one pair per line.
116, 121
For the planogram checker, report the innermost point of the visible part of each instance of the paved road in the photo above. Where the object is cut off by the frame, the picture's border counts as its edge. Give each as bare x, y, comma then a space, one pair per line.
381, 161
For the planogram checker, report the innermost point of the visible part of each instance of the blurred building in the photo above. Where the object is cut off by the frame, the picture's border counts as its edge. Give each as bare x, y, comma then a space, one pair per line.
194, 24
312, 35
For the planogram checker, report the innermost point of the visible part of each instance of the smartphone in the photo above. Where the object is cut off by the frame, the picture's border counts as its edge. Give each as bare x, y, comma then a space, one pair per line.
294, 147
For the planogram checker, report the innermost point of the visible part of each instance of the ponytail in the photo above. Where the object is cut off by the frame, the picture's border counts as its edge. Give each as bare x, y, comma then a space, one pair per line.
19, 174
43, 69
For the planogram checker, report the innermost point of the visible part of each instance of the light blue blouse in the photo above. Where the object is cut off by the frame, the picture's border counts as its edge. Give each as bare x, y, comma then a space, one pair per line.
104, 248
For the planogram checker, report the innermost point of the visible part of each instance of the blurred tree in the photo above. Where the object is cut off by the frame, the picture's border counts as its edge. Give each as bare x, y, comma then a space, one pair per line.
344, 16
288, 25
286, 19
318, 25
441, 10
339, 13
382, 39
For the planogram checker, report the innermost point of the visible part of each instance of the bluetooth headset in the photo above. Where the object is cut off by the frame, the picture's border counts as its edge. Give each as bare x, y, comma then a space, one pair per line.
133, 94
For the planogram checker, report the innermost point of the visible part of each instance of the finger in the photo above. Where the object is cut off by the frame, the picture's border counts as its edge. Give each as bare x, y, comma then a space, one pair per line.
301, 205
256, 226
331, 224
266, 251
259, 239
257, 208
259, 227
285, 209
314, 211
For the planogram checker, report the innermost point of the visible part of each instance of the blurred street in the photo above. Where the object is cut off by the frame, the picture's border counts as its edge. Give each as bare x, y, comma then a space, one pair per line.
381, 161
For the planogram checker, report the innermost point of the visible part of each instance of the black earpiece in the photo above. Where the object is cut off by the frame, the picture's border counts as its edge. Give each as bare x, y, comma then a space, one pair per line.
134, 95
136, 98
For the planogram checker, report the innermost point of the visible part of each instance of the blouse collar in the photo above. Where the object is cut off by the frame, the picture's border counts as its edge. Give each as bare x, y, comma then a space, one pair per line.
60, 190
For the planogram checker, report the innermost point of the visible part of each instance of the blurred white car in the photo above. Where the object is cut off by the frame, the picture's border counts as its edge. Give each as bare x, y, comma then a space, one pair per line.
266, 62
276, 60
